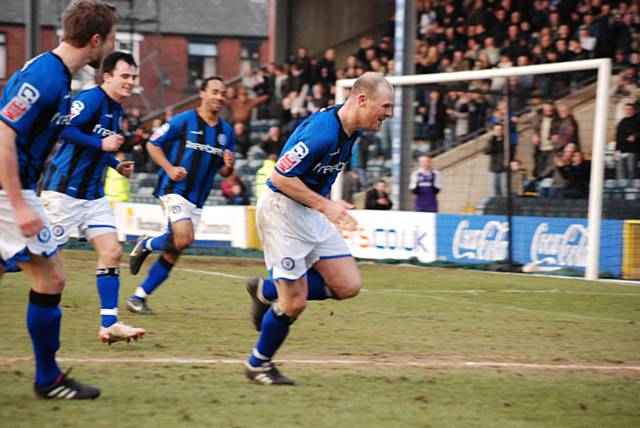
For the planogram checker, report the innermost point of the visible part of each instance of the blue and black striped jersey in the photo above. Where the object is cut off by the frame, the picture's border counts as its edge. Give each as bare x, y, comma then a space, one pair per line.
77, 168
188, 141
317, 151
35, 103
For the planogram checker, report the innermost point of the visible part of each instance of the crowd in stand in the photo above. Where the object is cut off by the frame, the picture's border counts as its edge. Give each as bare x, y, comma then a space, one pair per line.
455, 36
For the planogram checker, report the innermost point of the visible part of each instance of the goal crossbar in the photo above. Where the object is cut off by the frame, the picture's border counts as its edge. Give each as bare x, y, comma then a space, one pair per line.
603, 67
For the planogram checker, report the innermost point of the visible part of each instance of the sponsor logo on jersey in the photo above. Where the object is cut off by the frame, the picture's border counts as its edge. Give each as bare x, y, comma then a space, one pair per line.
196, 132
328, 169
61, 119
292, 157
21, 103
288, 263
76, 108
204, 147
160, 132
101, 131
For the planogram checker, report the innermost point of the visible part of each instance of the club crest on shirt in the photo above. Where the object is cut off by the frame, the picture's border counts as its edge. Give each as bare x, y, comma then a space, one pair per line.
21, 103
176, 209
222, 139
292, 157
288, 263
44, 235
76, 108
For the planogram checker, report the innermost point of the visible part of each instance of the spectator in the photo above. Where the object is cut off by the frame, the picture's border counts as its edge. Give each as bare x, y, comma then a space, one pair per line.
242, 139
553, 184
587, 42
544, 127
434, 118
351, 185
243, 106
519, 178
425, 183
495, 149
378, 198
577, 174
234, 191
628, 143
272, 143
568, 130
268, 165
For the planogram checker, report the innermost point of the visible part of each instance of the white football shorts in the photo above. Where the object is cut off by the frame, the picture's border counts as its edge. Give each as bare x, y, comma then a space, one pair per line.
294, 237
92, 218
13, 245
176, 208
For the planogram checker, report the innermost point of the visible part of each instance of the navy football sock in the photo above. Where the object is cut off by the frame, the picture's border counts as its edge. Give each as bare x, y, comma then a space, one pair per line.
317, 288
108, 284
157, 243
43, 323
274, 330
158, 273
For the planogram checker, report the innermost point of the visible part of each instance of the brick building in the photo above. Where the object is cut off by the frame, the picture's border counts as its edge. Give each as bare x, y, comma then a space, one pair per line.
175, 43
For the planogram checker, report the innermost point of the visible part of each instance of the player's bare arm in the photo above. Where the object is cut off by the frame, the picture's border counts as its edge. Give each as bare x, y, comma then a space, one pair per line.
27, 219
175, 173
335, 211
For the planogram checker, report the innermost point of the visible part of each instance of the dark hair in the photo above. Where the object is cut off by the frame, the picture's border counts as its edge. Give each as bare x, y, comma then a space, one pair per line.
85, 18
206, 81
110, 62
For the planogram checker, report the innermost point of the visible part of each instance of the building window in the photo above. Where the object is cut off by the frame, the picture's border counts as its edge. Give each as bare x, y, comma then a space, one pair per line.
249, 56
3, 56
130, 43
203, 62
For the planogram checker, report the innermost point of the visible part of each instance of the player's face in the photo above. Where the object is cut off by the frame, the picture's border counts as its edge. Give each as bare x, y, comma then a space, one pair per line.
214, 96
377, 110
122, 80
102, 48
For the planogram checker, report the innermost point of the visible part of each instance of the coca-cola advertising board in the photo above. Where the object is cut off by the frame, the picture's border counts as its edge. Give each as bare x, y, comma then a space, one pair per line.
538, 241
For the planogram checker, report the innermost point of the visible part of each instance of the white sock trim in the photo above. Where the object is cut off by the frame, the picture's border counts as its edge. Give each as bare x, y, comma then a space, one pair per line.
259, 356
140, 293
113, 312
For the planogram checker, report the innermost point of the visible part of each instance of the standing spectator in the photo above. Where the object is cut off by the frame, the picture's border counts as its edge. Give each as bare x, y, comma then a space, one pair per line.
243, 106
568, 131
519, 177
628, 143
425, 184
434, 118
577, 174
273, 142
545, 125
351, 185
495, 149
378, 198
553, 183
242, 138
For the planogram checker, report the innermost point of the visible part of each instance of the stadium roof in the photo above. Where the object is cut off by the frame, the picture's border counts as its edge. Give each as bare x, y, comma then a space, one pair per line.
244, 18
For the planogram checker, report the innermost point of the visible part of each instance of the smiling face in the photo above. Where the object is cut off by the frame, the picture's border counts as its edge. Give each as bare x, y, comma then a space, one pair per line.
375, 109
121, 80
213, 96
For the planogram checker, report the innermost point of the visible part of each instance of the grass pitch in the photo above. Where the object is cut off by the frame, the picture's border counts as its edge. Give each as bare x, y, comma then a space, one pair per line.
418, 348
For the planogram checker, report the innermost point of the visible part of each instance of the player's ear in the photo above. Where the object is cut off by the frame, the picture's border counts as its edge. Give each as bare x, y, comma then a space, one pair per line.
362, 100
95, 40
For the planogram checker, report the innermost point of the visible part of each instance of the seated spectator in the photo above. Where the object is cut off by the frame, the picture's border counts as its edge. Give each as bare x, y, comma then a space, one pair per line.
628, 143
552, 182
234, 191
378, 198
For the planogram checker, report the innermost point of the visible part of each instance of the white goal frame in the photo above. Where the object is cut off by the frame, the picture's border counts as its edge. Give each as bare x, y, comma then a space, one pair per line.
603, 66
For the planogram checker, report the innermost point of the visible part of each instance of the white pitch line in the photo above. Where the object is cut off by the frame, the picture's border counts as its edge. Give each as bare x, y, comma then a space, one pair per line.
206, 272
341, 362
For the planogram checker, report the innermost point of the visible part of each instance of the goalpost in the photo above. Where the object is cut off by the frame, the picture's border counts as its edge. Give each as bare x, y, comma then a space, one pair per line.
603, 67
